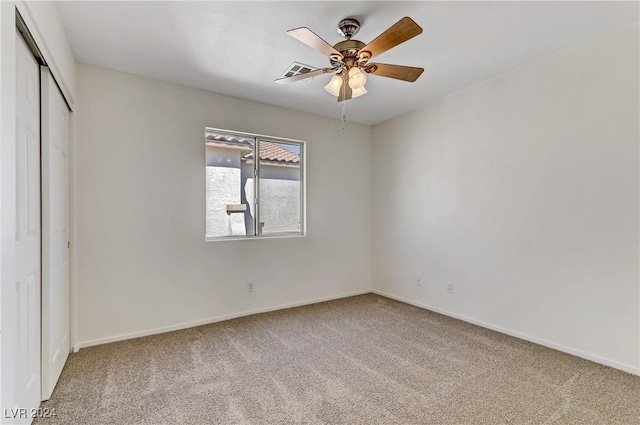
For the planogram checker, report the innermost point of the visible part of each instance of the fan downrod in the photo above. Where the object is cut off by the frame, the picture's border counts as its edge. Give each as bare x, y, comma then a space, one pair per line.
348, 27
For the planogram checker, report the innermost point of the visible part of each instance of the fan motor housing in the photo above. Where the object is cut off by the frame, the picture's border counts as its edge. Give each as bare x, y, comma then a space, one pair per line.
349, 50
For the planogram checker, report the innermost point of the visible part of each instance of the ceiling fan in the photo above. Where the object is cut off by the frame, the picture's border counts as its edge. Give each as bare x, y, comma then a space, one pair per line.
350, 58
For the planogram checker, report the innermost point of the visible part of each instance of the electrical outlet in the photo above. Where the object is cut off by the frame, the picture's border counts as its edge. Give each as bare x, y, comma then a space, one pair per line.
450, 288
249, 287
419, 281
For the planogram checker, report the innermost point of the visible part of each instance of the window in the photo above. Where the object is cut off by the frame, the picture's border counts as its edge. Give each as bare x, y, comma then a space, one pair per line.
248, 198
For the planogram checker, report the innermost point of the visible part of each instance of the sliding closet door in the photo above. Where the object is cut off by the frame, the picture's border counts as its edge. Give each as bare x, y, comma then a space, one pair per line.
55, 232
26, 296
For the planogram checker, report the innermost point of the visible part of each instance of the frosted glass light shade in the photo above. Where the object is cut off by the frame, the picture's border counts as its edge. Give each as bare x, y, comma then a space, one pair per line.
334, 85
358, 92
357, 78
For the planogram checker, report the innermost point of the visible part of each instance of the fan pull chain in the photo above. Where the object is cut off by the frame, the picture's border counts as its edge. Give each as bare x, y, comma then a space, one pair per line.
344, 104
344, 114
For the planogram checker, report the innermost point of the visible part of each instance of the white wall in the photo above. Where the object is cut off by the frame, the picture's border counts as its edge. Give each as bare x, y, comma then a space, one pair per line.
143, 263
522, 192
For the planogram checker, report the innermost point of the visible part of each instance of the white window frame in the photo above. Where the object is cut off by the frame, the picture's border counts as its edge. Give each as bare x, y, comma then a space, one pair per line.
257, 138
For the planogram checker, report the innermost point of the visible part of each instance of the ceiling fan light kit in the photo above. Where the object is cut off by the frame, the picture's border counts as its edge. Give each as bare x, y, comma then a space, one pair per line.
357, 78
349, 58
358, 92
334, 85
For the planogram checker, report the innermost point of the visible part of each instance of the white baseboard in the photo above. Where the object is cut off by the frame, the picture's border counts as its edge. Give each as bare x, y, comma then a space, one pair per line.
222, 318
578, 353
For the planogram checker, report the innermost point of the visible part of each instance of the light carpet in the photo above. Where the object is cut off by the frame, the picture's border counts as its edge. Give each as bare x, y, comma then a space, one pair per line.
359, 360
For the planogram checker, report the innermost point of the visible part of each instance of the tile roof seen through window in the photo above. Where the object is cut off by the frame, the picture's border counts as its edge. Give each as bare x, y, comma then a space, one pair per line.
221, 139
269, 151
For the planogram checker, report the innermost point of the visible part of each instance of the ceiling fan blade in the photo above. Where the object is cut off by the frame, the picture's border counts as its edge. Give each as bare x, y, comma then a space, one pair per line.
311, 39
399, 72
400, 32
287, 80
345, 91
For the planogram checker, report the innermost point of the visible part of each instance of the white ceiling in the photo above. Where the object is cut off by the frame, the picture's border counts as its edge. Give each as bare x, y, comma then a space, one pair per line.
239, 48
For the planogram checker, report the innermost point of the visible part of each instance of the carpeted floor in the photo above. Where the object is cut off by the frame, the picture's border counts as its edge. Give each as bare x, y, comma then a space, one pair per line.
360, 360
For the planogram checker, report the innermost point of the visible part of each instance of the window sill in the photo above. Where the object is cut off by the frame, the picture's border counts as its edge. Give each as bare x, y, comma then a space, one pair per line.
255, 237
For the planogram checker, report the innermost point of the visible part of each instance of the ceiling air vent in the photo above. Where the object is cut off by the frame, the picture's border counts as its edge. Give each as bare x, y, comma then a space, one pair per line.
297, 68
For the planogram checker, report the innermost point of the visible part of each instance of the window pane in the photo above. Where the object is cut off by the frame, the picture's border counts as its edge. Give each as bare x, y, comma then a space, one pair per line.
229, 164
279, 185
